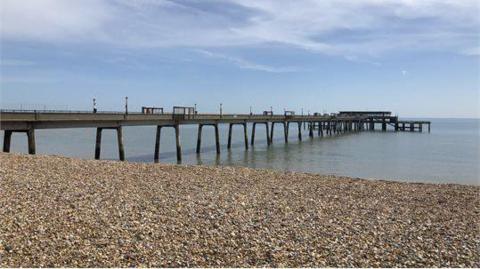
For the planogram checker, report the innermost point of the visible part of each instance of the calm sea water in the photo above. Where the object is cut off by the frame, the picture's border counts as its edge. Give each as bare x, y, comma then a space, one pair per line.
449, 154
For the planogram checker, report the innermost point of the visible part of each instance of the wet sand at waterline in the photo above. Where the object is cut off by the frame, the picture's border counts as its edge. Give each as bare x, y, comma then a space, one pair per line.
57, 211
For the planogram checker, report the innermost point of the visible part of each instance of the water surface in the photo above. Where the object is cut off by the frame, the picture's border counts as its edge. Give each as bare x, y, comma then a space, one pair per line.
449, 154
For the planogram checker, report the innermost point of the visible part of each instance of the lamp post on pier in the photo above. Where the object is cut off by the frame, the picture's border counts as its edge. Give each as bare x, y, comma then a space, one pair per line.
94, 105
126, 104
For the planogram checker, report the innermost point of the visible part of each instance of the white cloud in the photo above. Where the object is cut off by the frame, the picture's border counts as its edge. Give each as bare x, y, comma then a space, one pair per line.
15, 63
472, 51
244, 64
335, 27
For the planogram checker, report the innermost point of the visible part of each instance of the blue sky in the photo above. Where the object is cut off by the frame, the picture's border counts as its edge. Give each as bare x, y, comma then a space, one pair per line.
415, 58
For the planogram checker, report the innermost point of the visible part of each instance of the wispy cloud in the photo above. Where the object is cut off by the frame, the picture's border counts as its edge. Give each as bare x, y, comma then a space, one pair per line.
15, 63
472, 51
244, 64
334, 27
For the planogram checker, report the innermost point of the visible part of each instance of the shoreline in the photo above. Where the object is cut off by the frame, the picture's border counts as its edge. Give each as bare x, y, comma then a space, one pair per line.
59, 211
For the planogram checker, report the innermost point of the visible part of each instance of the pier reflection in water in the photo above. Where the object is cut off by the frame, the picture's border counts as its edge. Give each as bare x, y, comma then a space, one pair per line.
449, 154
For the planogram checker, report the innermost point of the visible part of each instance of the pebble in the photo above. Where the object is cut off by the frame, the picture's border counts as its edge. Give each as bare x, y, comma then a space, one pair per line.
64, 212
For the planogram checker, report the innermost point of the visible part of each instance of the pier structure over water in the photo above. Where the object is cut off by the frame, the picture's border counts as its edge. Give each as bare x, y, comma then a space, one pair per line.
23, 121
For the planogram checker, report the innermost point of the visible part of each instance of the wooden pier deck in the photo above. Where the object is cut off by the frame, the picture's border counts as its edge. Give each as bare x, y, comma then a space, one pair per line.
28, 121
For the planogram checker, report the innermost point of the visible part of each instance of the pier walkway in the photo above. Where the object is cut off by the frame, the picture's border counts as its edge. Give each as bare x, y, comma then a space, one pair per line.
347, 121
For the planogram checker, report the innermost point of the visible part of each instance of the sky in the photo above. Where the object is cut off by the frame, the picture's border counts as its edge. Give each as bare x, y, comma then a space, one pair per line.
412, 57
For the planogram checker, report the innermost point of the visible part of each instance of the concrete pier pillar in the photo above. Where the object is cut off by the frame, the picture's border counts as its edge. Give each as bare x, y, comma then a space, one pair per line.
272, 132
177, 142
199, 138
320, 129
254, 127
156, 155
98, 143
7, 139
269, 141
267, 133
372, 125
384, 126
299, 130
310, 133
217, 138
229, 144
121, 150
230, 131
245, 134
286, 129
396, 126
412, 127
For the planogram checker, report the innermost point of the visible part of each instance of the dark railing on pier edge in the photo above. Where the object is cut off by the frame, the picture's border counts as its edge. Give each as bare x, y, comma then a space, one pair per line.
27, 121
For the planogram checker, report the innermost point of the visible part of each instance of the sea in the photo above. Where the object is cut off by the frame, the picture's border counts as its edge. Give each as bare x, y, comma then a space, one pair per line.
450, 153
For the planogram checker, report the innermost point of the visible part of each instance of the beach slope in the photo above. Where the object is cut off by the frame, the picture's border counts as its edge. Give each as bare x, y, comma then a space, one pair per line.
57, 211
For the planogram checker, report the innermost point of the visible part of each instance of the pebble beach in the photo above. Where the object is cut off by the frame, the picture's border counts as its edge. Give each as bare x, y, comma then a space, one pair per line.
65, 212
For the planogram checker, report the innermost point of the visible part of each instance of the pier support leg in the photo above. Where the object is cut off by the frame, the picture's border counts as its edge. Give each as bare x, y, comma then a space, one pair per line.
299, 130
384, 126
199, 138
31, 141
286, 127
230, 131
177, 142
412, 127
98, 143
272, 132
254, 126
310, 133
372, 125
121, 150
156, 156
217, 139
429, 127
269, 141
396, 126
7, 139
245, 134
267, 132
229, 144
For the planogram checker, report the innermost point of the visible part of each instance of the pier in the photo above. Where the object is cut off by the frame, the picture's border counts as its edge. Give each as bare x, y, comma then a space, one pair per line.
27, 122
